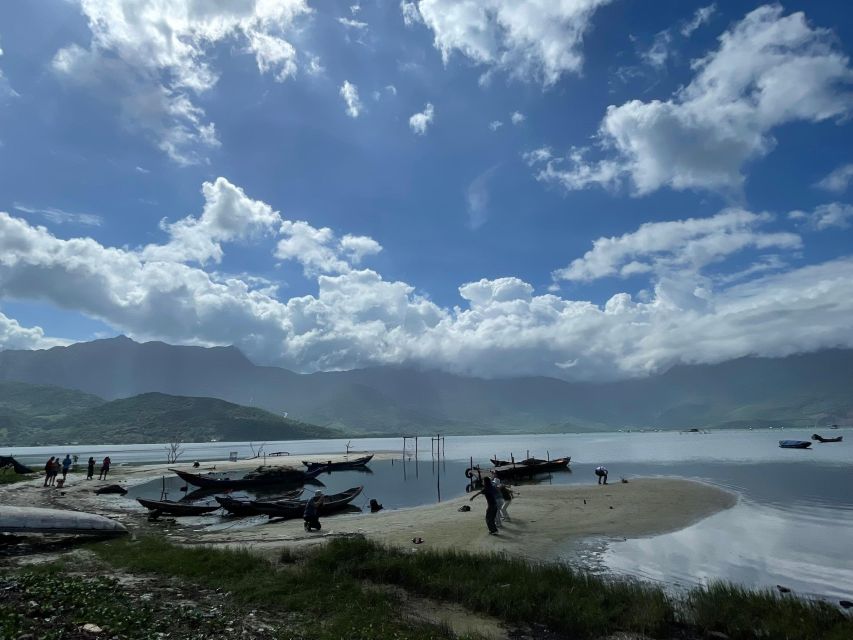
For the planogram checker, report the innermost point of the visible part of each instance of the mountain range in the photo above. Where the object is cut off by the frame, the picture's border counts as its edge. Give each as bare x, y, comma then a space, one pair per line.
799, 390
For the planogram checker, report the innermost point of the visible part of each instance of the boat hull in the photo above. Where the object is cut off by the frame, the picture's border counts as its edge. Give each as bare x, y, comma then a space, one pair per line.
295, 509
293, 477
37, 520
526, 470
794, 444
176, 508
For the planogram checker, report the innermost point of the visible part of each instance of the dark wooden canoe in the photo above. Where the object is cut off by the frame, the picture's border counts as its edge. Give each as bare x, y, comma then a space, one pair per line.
243, 508
528, 461
296, 508
176, 508
820, 438
356, 463
255, 479
526, 470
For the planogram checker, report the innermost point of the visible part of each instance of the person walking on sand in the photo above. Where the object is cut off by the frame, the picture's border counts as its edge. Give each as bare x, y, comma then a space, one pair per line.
601, 472
490, 492
48, 471
54, 470
312, 511
66, 465
90, 468
105, 468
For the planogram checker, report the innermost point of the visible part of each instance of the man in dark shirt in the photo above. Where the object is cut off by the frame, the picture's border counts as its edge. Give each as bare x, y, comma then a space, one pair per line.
312, 512
491, 493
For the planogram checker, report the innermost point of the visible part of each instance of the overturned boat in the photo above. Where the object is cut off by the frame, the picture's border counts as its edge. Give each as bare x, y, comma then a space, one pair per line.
38, 520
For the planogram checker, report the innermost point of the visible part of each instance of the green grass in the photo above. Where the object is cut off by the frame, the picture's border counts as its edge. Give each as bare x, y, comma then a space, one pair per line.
13, 478
570, 602
743, 613
337, 604
329, 583
581, 605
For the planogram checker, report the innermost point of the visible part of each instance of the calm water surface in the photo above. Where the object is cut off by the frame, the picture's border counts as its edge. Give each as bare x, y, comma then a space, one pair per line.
792, 524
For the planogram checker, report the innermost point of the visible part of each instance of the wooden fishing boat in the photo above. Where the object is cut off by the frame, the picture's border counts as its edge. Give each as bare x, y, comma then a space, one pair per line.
260, 478
170, 508
795, 444
243, 508
527, 461
820, 438
525, 470
295, 508
356, 463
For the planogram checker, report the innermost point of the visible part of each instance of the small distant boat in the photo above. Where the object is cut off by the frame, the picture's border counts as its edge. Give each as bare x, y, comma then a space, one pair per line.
820, 438
170, 508
37, 520
295, 508
338, 466
795, 444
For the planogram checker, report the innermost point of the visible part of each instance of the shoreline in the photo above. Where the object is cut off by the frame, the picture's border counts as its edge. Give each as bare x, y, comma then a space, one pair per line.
544, 519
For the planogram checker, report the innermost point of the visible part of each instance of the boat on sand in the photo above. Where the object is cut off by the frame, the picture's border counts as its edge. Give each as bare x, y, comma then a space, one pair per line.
295, 508
37, 520
795, 444
169, 508
355, 463
262, 477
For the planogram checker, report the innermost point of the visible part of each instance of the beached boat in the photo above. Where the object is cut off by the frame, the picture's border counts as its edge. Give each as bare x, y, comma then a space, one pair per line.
244, 508
820, 438
356, 463
263, 477
37, 520
170, 508
519, 470
527, 461
795, 444
295, 508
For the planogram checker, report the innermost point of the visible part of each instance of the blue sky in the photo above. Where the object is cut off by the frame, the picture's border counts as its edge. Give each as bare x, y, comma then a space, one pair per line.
587, 189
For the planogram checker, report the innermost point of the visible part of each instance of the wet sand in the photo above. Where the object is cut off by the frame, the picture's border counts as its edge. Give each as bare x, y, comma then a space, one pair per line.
544, 518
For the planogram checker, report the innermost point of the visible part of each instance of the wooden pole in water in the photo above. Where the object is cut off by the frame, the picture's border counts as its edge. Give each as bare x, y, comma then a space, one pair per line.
416, 447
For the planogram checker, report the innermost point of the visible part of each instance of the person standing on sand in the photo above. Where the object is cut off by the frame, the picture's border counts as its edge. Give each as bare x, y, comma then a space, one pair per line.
105, 468
66, 465
601, 472
312, 511
499, 502
490, 492
507, 495
90, 468
48, 470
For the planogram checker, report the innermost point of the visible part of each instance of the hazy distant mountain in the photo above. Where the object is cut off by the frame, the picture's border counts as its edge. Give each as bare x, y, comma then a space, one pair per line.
37, 414
797, 390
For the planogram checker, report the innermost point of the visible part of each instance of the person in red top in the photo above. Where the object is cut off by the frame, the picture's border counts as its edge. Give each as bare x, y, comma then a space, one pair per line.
48, 471
105, 469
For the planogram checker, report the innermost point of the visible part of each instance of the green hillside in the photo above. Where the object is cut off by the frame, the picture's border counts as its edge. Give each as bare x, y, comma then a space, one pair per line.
157, 417
41, 414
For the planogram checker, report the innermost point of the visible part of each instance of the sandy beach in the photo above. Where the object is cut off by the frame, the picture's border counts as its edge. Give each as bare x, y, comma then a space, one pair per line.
544, 518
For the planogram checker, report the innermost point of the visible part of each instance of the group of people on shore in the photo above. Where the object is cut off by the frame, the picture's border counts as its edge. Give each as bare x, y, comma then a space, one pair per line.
54, 466
498, 497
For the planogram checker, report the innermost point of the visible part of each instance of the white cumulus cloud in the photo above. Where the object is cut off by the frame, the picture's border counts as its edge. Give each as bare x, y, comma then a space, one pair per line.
838, 180
349, 92
769, 70
539, 39
825, 216
151, 58
419, 122
684, 313
517, 117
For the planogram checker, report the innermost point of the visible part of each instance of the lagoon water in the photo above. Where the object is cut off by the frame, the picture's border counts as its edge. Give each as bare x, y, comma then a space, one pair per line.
792, 525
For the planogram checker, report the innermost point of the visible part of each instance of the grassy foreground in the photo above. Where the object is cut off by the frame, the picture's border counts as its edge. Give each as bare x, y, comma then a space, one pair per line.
328, 583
